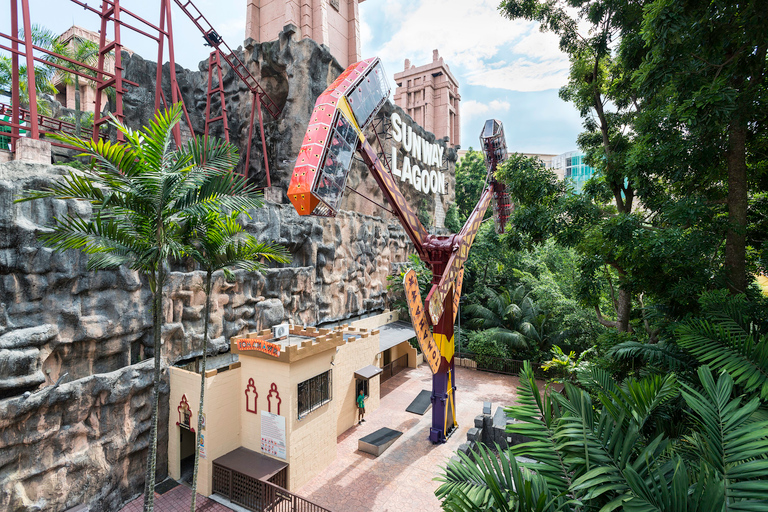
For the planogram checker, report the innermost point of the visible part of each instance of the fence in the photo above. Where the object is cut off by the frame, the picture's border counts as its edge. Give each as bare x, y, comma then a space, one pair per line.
391, 369
259, 495
494, 364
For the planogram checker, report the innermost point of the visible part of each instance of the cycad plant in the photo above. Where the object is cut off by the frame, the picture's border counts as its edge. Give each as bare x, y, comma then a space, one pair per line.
143, 192
217, 241
511, 318
600, 454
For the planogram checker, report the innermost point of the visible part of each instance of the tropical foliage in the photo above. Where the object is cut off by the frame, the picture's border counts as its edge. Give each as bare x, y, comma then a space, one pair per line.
689, 433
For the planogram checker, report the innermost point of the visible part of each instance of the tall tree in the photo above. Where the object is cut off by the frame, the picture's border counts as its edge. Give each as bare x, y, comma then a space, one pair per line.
218, 242
703, 84
142, 193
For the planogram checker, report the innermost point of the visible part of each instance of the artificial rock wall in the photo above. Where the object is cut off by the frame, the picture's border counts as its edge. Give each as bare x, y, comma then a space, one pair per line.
84, 439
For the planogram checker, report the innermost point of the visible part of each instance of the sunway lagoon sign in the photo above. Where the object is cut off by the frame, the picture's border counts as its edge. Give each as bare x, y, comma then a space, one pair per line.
429, 154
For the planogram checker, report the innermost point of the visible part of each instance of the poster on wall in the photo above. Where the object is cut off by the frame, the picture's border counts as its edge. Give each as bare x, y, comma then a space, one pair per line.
202, 447
273, 434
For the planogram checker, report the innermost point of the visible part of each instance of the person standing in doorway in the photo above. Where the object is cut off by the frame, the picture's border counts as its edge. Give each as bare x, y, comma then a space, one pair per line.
360, 407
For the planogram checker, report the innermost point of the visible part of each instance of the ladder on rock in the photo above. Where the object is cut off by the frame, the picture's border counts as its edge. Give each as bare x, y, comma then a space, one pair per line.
214, 62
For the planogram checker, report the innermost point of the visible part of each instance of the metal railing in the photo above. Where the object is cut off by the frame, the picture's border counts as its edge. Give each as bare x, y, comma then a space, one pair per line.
260, 495
493, 364
391, 369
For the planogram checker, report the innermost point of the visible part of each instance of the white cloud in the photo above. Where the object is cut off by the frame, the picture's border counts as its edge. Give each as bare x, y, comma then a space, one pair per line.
366, 35
472, 108
479, 45
523, 75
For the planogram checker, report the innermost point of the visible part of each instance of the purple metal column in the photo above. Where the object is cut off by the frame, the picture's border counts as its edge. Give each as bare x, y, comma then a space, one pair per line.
443, 382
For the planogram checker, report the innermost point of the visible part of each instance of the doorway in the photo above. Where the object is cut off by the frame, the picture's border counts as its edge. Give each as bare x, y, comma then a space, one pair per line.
186, 454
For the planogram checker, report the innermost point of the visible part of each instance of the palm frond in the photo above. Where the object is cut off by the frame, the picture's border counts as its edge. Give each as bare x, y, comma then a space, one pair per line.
733, 447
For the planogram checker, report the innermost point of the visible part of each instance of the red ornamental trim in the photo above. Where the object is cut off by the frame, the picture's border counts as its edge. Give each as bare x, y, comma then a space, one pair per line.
251, 397
185, 414
273, 389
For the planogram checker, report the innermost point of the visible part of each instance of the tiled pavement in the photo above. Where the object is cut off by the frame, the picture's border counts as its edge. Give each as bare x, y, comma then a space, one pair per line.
401, 479
177, 499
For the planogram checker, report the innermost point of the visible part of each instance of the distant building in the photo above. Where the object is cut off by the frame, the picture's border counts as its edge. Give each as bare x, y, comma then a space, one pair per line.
571, 166
334, 23
544, 157
430, 95
65, 92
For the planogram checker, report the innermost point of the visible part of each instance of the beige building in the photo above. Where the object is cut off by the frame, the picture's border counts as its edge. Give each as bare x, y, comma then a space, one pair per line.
276, 416
430, 95
65, 92
334, 23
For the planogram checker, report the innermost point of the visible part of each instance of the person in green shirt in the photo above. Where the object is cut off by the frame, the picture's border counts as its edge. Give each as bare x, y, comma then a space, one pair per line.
360, 407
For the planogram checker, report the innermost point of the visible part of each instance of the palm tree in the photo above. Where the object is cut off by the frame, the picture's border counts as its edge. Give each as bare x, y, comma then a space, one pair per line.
44, 74
80, 50
143, 193
217, 242
510, 318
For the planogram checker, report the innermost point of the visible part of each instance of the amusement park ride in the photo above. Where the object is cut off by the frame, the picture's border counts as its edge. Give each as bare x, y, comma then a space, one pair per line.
112, 14
335, 133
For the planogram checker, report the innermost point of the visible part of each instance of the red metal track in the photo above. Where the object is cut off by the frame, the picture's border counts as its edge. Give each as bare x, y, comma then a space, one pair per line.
213, 39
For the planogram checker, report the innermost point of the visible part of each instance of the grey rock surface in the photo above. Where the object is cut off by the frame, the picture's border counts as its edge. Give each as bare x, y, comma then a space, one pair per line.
79, 442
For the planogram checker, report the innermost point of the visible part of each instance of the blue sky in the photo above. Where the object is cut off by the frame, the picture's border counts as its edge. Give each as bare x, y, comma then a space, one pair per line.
506, 69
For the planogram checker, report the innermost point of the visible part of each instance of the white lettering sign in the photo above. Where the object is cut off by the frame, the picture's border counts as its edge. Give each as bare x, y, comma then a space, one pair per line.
420, 150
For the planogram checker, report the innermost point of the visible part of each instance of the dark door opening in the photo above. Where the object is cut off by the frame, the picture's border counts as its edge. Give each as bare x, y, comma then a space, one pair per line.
187, 454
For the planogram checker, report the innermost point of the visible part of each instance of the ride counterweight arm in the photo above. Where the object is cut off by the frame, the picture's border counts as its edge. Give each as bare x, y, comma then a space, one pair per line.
437, 295
408, 219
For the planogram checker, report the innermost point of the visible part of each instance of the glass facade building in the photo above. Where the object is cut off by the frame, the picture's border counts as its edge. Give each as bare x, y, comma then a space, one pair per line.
571, 166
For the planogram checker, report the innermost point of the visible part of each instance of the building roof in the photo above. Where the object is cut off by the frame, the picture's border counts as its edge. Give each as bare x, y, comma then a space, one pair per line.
251, 463
368, 372
394, 334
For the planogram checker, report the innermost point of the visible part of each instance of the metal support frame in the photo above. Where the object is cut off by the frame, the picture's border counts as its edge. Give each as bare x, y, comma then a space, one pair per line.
111, 12
259, 97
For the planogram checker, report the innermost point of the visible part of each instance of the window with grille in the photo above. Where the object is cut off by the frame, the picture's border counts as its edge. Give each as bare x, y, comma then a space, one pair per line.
314, 393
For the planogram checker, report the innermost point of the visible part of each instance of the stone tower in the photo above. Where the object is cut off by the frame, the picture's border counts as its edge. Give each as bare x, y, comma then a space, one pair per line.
334, 23
430, 95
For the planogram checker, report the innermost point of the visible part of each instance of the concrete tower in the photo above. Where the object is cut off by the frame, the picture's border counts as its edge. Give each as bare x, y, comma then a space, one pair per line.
334, 23
430, 95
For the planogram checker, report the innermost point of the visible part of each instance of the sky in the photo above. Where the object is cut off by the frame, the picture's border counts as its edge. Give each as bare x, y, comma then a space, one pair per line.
506, 69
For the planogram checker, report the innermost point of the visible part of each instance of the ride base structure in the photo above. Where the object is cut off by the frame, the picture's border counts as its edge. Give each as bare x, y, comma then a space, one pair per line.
335, 133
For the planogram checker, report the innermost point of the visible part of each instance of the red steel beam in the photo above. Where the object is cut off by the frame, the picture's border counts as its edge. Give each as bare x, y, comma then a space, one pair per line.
15, 73
30, 70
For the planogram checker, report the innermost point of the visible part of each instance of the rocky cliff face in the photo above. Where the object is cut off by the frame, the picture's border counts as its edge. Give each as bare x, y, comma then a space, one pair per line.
85, 439
80, 442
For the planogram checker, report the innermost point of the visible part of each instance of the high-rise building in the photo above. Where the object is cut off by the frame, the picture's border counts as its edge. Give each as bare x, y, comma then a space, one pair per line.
334, 23
430, 95
571, 166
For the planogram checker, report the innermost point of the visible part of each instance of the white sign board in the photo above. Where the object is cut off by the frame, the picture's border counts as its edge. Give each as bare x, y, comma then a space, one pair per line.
273, 435
423, 173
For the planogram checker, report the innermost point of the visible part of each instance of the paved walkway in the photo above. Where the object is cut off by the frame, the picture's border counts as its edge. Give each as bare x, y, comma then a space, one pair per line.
177, 499
401, 479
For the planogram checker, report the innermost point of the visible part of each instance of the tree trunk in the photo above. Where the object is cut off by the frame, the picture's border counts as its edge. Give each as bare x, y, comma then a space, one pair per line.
736, 239
623, 310
202, 387
149, 480
77, 106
